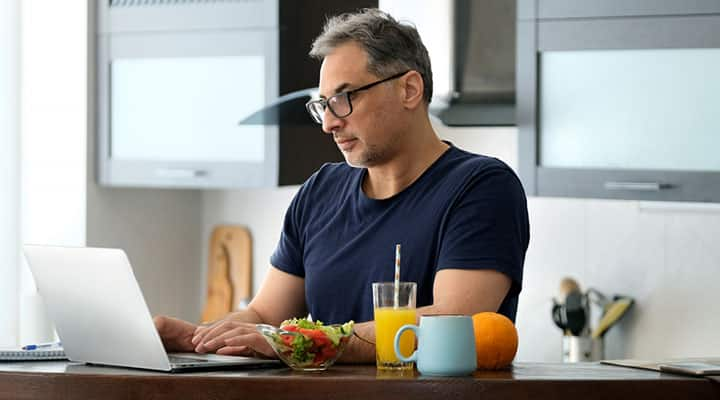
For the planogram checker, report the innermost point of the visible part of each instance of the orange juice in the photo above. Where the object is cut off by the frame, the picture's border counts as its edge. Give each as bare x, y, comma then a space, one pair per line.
387, 322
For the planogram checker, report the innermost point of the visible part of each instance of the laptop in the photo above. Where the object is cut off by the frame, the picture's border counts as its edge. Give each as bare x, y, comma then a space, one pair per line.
100, 314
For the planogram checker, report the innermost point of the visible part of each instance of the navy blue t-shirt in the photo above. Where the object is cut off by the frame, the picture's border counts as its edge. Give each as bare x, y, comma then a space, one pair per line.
466, 211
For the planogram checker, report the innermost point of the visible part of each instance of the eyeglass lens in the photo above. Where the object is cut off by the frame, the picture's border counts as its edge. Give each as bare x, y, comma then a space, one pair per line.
339, 105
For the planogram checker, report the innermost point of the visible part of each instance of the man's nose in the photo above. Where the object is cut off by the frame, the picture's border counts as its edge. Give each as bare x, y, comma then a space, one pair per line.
331, 123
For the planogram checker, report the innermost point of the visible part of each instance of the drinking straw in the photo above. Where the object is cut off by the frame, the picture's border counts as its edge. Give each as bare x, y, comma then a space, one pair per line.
396, 288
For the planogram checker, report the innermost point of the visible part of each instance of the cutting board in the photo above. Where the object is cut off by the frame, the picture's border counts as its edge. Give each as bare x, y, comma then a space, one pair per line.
229, 271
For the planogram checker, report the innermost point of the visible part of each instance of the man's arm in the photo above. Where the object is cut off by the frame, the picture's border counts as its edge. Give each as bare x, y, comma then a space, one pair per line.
281, 296
455, 291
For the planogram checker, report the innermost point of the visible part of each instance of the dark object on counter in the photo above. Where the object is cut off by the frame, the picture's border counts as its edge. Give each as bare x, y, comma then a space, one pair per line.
571, 316
575, 313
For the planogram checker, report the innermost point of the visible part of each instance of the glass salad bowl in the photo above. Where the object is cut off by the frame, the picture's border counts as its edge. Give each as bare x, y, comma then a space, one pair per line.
305, 345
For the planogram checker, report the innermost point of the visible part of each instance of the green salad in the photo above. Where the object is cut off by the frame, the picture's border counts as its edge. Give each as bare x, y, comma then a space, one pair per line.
305, 343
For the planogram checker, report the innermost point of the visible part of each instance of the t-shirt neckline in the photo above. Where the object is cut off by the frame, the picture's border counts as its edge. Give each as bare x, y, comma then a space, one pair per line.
363, 172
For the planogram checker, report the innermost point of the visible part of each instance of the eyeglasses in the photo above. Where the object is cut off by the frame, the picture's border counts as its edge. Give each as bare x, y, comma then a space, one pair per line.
340, 104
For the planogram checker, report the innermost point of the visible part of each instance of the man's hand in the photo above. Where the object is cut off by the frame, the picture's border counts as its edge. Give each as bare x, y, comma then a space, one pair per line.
176, 334
281, 296
230, 337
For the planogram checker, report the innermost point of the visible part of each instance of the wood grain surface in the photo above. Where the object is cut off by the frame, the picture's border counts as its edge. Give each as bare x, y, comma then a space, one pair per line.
59, 380
229, 271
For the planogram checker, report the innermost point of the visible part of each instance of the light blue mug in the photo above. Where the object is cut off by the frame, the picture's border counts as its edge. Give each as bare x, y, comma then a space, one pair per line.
446, 345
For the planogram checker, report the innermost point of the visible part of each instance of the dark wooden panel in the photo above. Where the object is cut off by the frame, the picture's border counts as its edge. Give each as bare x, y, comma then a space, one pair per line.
303, 149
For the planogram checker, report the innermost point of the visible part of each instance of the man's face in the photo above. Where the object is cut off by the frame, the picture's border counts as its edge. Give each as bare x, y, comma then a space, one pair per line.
365, 137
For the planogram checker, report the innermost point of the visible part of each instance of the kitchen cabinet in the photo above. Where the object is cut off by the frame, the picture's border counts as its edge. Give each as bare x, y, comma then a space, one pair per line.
173, 79
619, 99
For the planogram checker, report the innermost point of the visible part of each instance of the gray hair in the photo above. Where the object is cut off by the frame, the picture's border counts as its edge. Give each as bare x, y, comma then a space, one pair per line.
391, 46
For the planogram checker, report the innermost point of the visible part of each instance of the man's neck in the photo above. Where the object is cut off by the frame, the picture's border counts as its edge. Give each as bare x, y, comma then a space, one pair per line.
415, 157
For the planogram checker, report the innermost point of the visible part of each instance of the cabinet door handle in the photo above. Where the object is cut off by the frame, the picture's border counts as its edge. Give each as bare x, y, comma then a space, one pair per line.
637, 186
180, 173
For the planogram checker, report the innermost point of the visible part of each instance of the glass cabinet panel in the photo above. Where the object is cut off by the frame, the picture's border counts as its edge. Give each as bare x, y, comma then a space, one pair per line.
187, 109
654, 109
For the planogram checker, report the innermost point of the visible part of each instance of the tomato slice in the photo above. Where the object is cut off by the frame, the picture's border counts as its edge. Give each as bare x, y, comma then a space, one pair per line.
312, 333
329, 352
287, 339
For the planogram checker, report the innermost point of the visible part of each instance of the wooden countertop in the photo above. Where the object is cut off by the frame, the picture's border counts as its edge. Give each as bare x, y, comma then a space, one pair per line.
586, 381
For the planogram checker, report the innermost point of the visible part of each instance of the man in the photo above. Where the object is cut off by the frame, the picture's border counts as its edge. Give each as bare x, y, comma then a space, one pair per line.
461, 218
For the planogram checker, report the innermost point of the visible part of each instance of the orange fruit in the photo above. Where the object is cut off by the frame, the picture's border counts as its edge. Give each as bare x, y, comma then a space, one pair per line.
496, 340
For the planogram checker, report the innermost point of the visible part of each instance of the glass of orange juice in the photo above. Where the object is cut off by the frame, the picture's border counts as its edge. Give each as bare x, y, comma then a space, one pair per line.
393, 310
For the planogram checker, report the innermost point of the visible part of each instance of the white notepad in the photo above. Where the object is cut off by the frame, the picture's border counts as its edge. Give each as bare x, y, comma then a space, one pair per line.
32, 355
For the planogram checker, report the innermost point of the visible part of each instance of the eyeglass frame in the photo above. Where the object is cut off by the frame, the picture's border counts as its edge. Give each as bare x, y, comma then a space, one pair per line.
347, 94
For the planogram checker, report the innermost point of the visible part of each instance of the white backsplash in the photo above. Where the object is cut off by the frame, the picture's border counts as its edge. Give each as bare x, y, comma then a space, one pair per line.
667, 257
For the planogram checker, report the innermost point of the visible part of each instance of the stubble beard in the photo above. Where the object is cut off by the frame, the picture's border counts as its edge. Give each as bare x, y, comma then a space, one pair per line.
370, 156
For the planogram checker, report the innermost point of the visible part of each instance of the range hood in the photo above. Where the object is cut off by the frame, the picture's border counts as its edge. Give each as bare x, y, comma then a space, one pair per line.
288, 109
482, 65
472, 50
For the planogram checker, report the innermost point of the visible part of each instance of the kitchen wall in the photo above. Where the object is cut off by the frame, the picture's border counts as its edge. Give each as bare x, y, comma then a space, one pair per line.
662, 254
160, 230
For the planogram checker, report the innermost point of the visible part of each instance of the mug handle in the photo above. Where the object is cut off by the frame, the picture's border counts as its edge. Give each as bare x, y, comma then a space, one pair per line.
413, 356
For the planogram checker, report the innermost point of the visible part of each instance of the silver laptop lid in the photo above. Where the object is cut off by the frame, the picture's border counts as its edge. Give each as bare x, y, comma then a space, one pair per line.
93, 298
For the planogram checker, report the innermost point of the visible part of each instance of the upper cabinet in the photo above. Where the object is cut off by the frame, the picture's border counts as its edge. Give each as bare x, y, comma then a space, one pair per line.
175, 78
619, 99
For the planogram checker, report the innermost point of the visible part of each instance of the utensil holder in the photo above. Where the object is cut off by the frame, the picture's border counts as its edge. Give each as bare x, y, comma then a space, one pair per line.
582, 349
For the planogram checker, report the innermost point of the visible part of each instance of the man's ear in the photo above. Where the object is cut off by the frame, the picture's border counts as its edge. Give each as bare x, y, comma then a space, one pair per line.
413, 89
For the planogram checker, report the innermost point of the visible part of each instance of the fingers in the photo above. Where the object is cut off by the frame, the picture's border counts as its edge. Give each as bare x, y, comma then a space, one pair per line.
201, 332
159, 321
236, 351
174, 333
170, 325
214, 338
254, 341
204, 333
250, 345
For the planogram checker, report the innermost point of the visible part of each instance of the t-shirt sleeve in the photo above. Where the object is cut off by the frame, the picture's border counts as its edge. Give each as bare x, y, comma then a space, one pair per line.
487, 226
287, 256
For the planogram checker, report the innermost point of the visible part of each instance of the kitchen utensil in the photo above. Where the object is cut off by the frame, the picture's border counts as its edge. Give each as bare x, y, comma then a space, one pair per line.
567, 286
570, 312
614, 312
596, 297
558, 315
575, 312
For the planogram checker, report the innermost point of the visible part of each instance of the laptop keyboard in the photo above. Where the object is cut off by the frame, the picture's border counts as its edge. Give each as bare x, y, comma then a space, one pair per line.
186, 360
